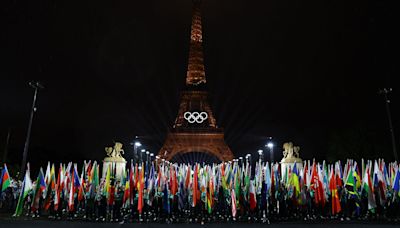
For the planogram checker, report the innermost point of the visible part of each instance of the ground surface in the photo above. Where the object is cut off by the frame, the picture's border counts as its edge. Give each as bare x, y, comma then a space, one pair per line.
9, 222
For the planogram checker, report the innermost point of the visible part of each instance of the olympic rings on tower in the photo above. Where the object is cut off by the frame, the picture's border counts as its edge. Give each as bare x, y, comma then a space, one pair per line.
195, 117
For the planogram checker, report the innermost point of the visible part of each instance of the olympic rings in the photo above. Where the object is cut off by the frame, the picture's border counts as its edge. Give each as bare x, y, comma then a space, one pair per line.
195, 117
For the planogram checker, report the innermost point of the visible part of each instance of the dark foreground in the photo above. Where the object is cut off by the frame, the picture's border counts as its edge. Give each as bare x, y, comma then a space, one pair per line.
10, 222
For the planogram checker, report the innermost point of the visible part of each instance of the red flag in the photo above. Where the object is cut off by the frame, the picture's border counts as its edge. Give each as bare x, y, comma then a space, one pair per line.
317, 186
81, 193
253, 200
188, 173
336, 208
195, 187
71, 195
140, 188
173, 180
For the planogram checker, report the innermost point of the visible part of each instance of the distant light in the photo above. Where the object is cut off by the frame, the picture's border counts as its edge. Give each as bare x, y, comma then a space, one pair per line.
147, 152
270, 145
143, 150
138, 144
260, 152
240, 158
157, 157
151, 154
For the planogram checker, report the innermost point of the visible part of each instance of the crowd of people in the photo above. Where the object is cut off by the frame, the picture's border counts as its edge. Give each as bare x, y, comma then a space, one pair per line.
160, 191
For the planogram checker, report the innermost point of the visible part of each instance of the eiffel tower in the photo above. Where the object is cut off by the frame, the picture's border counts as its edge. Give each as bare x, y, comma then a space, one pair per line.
195, 130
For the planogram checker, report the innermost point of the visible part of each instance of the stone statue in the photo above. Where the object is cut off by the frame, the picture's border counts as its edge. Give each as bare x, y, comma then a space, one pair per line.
115, 160
290, 151
291, 157
296, 150
116, 151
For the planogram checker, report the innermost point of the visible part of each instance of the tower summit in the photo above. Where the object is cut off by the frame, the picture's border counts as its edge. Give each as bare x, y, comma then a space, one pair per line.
196, 73
195, 136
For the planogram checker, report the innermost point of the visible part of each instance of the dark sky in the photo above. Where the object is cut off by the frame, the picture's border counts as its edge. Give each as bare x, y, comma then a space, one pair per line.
298, 71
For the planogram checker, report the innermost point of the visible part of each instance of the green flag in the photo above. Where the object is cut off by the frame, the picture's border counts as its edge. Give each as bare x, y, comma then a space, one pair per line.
26, 187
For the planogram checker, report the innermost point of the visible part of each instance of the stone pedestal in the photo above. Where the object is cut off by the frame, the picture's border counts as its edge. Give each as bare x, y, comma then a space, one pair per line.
117, 166
289, 162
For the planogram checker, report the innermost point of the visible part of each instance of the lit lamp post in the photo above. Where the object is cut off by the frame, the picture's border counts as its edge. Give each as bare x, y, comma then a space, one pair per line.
385, 93
270, 146
36, 86
248, 158
136, 145
147, 156
142, 154
260, 153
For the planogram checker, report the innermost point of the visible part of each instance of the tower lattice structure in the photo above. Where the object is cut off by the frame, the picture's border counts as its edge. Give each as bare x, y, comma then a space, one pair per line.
191, 133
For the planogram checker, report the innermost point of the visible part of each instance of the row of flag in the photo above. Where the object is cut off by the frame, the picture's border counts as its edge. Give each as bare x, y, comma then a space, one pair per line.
194, 184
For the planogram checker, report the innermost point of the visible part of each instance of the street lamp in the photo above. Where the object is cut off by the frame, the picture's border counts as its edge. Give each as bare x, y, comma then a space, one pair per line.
36, 86
141, 154
270, 146
385, 93
136, 145
248, 158
260, 153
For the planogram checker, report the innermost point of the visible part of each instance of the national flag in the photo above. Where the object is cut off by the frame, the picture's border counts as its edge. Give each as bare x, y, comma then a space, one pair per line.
140, 187
294, 182
267, 178
195, 186
252, 196
71, 198
127, 193
40, 187
317, 186
47, 174
369, 189
5, 179
188, 177
81, 190
58, 187
336, 208
106, 187
173, 181
233, 203
396, 184
25, 189
165, 200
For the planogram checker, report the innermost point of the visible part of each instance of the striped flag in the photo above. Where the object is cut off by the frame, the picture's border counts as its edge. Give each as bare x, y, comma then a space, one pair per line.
26, 188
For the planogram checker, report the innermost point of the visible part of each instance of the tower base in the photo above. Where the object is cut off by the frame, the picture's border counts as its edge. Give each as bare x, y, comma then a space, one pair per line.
211, 143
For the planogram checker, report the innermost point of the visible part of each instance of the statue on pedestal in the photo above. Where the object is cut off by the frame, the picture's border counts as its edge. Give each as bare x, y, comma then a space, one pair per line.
290, 157
116, 151
290, 151
115, 161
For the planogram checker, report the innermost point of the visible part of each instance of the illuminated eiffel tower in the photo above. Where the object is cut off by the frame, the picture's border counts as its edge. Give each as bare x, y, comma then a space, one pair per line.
195, 136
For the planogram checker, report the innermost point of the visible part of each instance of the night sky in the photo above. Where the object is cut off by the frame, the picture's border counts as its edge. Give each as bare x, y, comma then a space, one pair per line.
301, 71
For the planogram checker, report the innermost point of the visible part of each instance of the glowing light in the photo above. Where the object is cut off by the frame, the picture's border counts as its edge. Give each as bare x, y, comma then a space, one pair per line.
270, 145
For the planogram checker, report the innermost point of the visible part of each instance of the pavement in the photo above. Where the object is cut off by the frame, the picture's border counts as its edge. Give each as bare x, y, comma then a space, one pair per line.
27, 222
